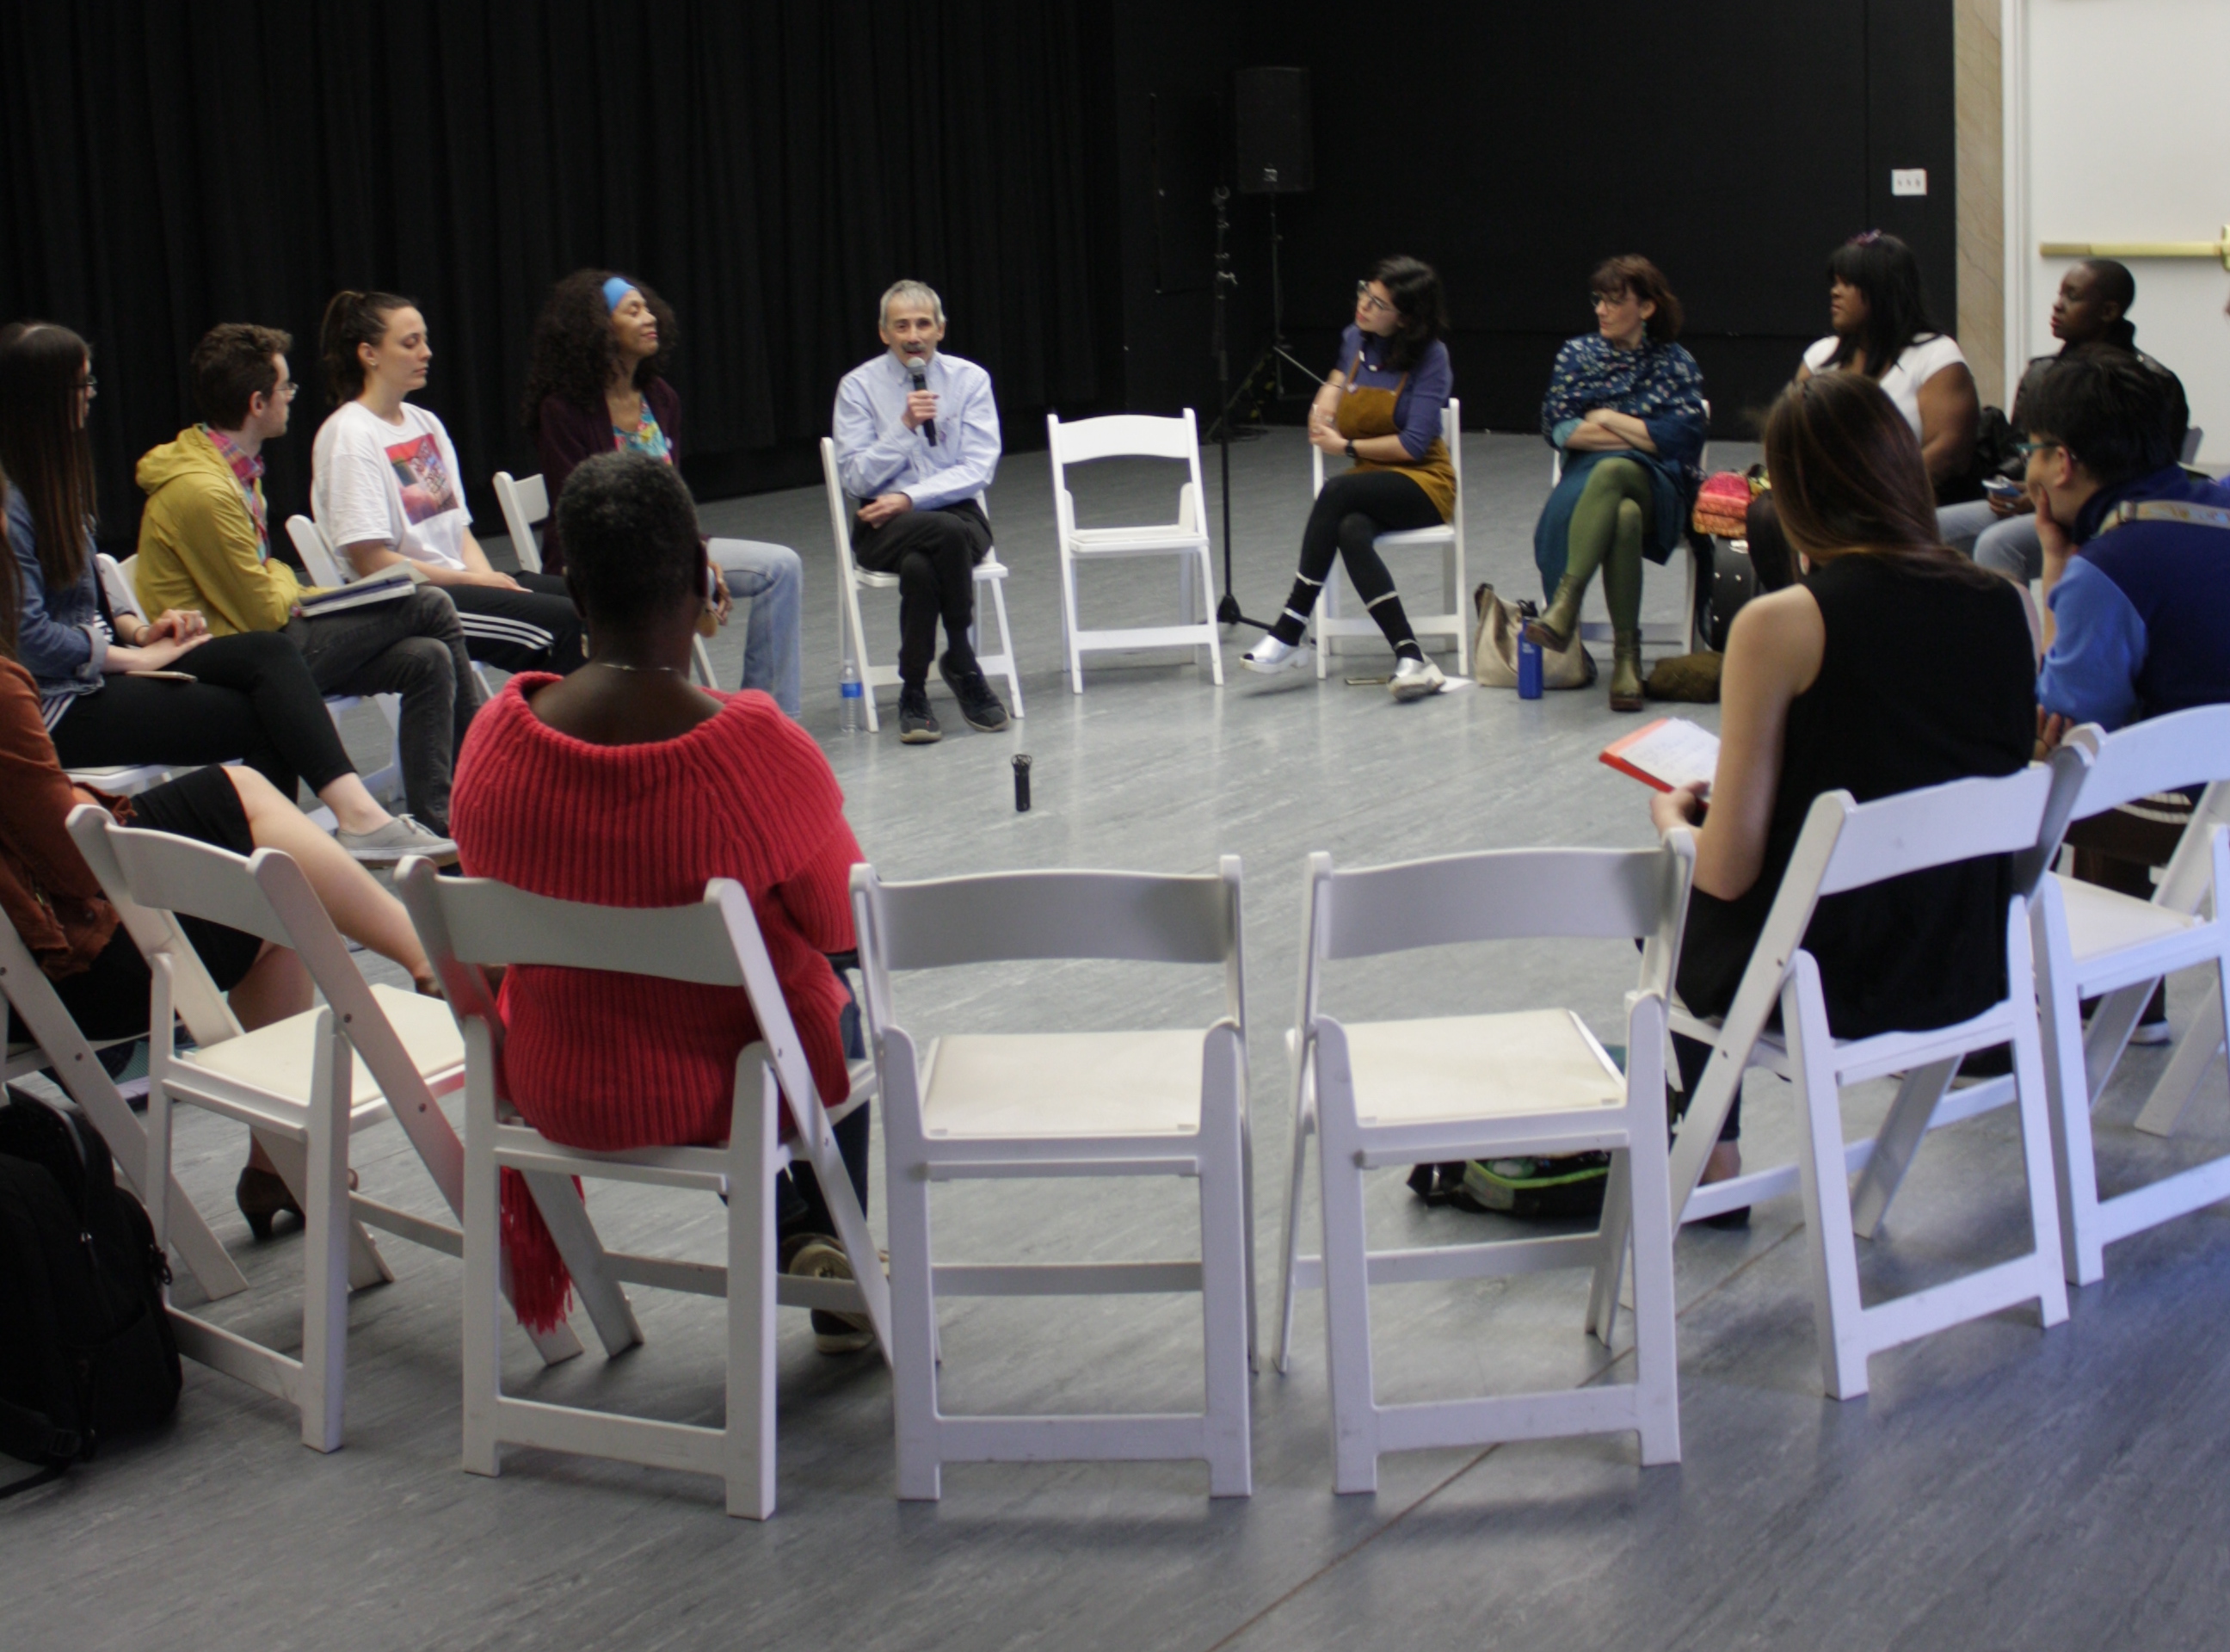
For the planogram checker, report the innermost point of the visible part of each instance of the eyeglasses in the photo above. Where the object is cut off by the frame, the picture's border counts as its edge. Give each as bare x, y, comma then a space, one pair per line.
284, 391
2025, 448
88, 384
1609, 300
1372, 304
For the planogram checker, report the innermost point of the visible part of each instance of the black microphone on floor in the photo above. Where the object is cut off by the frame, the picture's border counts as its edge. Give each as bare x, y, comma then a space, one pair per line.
915, 364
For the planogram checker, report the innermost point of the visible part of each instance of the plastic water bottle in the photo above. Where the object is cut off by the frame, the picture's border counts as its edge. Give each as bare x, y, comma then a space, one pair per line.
1528, 656
854, 694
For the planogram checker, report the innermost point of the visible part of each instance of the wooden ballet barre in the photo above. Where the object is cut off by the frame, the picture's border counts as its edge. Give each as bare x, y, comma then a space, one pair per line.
2140, 248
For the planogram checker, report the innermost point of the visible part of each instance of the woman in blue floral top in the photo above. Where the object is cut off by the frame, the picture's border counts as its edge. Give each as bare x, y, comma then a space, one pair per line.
1626, 408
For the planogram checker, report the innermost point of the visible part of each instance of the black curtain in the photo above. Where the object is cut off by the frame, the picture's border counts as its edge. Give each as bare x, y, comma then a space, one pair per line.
769, 167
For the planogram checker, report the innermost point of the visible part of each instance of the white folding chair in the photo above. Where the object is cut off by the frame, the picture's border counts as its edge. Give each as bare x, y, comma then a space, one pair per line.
1134, 435
468, 924
1518, 1083
1153, 1103
2093, 942
303, 1086
57, 1046
850, 633
1846, 845
1454, 618
524, 501
1687, 635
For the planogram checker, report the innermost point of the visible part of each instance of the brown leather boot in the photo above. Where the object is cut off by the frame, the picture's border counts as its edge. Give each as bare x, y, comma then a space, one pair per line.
1555, 628
1625, 671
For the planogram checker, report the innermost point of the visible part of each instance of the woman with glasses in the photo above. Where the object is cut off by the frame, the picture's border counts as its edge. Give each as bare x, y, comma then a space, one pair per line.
117, 689
1625, 408
1381, 409
596, 383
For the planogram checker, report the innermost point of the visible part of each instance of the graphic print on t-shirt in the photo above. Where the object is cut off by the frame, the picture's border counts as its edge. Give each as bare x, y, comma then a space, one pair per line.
422, 477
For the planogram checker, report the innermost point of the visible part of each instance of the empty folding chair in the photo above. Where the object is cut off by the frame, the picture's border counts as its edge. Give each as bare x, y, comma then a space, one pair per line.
1085, 1104
303, 1086
1453, 617
469, 924
1516, 1083
851, 633
1846, 845
524, 501
2094, 942
1139, 437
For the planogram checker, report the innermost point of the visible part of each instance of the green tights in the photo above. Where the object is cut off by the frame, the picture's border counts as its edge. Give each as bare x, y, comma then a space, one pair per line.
1608, 526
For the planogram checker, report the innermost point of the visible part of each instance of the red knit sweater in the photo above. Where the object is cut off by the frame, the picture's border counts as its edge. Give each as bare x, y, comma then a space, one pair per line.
603, 1061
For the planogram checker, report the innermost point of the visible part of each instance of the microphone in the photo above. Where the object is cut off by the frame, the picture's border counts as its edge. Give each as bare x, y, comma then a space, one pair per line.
916, 365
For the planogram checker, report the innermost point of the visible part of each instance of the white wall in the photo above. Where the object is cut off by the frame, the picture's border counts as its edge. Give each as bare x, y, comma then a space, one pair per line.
2118, 128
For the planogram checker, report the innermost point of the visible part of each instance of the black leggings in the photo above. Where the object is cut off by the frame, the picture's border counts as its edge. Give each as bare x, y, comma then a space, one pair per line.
1350, 514
252, 699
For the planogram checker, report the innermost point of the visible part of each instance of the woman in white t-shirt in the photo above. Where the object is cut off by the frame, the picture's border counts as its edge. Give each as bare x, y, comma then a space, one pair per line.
1882, 332
1881, 329
384, 488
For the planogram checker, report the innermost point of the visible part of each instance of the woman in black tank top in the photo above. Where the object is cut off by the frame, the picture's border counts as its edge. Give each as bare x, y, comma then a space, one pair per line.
1893, 664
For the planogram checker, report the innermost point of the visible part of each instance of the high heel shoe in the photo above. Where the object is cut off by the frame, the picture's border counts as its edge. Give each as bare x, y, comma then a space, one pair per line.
1560, 621
262, 1195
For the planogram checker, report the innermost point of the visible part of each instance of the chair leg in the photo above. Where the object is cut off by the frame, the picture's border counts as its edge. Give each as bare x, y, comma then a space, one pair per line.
2074, 1160
1069, 614
2188, 1068
749, 1437
1007, 642
326, 1256
1657, 1374
913, 1317
1897, 1142
847, 618
1222, 1273
483, 1339
366, 1266
2036, 1129
1613, 1238
1346, 1289
574, 1235
1288, 1289
1207, 601
1838, 1312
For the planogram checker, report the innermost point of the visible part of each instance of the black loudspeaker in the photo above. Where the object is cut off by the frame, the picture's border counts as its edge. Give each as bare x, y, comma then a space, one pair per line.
1270, 127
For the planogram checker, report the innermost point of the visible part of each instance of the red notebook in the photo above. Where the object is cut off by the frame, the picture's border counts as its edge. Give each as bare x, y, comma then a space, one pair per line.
1669, 753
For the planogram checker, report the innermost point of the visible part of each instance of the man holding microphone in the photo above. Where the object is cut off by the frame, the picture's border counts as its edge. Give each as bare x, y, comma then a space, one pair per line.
917, 435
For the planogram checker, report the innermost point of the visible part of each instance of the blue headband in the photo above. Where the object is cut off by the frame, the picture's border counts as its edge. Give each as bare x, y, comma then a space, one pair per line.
616, 292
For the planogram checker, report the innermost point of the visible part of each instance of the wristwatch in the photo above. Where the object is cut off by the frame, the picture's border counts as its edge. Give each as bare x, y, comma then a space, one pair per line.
1350, 447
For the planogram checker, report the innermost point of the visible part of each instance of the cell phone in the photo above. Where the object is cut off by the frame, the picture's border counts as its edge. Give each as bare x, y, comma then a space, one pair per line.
165, 676
2002, 488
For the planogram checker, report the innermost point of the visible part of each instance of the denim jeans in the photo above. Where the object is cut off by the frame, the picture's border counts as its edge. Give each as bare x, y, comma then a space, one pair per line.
2008, 543
774, 580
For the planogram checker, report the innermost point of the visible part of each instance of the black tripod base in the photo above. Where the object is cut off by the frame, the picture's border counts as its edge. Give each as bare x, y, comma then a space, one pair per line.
1227, 613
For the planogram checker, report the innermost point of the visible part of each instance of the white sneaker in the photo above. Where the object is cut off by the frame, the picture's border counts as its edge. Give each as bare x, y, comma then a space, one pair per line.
1414, 679
1271, 655
2149, 1032
401, 837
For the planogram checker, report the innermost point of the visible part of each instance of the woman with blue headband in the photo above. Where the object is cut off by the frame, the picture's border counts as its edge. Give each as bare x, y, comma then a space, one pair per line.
596, 383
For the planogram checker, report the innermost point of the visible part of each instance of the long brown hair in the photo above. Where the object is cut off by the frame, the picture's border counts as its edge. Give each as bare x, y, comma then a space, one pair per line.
354, 319
1631, 272
1847, 476
42, 442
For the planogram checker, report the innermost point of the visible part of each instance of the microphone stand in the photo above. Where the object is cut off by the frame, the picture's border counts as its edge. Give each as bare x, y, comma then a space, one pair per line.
1227, 611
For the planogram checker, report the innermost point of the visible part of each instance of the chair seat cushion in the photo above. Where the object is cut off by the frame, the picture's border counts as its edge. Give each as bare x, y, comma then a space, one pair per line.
1169, 536
1026, 1085
1420, 538
276, 1059
1479, 1066
2101, 920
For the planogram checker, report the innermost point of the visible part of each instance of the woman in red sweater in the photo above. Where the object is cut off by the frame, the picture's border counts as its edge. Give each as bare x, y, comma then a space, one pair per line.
627, 785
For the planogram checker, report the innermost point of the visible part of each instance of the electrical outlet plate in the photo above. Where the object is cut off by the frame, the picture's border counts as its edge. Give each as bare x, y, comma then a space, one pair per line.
1908, 180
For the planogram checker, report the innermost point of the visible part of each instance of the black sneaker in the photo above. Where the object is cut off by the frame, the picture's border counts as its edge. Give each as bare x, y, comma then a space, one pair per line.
977, 703
916, 724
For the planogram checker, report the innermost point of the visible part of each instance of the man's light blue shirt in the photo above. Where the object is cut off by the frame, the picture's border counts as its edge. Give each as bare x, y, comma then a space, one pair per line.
876, 454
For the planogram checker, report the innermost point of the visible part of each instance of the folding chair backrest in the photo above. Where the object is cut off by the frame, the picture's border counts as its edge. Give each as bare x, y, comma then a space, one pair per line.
1125, 435
1495, 895
524, 501
1005, 917
318, 555
2184, 748
1933, 826
465, 923
141, 876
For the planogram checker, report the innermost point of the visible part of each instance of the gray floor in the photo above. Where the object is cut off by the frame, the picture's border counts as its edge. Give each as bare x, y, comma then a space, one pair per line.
2001, 1487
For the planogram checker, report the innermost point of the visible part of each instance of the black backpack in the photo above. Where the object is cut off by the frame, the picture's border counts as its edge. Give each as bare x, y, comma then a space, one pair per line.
86, 1349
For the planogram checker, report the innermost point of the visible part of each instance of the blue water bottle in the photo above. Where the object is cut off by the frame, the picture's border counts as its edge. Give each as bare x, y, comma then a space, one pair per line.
853, 694
1529, 655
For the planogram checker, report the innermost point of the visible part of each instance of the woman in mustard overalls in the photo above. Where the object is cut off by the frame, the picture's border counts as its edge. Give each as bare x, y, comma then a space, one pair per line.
1382, 409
